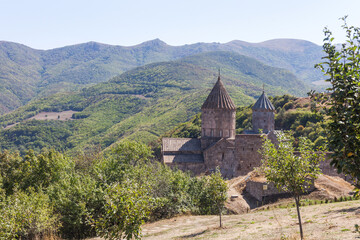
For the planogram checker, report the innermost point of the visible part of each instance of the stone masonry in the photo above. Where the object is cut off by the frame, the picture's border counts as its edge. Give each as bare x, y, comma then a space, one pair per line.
219, 146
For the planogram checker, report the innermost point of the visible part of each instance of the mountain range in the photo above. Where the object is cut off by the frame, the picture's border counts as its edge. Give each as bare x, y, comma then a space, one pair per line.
142, 103
27, 74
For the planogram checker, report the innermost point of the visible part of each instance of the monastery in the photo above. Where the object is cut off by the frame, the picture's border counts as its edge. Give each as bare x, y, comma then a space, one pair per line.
219, 145
235, 154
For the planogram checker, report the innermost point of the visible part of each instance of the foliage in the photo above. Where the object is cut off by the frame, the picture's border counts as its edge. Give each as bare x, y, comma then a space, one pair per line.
29, 74
289, 171
213, 195
124, 155
189, 129
35, 171
74, 194
132, 153
141, 104
243, 119
173, 190
76, 197
37, 135
126, 208
299, 119
27, 216
342, 104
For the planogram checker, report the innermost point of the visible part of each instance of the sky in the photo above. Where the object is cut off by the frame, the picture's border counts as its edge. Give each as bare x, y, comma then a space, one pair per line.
47, 24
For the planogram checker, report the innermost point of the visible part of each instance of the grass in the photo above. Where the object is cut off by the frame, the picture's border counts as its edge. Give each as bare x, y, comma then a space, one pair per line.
275, 224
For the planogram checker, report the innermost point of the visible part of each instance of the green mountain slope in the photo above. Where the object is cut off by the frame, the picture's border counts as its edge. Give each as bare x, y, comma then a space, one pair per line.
26, 73
143, 103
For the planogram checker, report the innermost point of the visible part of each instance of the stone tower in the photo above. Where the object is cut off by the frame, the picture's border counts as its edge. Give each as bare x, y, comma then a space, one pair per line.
263, 116
217, 116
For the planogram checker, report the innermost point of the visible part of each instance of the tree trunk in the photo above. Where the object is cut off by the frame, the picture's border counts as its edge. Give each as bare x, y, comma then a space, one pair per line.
220, 217
297, 202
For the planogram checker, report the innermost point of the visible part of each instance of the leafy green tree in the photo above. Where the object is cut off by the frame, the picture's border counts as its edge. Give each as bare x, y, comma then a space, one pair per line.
289, 171
170, 188
217, 192
27, 216
76, 197
127, 207
121, 159
342, 103
36, 171
213, 194
132, 152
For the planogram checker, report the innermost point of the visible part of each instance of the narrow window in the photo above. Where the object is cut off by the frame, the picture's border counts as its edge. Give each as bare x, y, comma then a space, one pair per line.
212, 132
220, 133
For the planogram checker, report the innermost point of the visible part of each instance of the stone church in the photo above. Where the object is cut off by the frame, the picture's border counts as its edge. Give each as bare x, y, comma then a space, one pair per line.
219, 145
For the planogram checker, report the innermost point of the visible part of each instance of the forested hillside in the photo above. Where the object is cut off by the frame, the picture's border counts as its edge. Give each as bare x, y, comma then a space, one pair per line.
143, 103
27, 73
292, 113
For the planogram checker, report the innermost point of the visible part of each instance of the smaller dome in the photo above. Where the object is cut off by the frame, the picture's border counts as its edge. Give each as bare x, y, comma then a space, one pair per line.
263, 103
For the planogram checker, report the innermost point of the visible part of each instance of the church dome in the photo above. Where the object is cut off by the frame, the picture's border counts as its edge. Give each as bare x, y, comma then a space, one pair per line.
263, 103
218, 98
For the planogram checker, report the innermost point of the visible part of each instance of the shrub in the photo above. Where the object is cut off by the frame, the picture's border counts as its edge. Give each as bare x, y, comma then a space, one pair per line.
126, 208
27, 216
76, 198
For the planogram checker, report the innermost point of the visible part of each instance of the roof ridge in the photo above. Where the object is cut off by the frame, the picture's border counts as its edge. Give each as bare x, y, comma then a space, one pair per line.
218, 98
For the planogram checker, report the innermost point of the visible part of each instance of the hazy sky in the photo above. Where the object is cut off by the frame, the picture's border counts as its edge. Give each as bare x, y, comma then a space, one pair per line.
45, 24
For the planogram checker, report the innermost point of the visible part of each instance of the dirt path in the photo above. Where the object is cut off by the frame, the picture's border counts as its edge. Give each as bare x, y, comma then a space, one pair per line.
326, 221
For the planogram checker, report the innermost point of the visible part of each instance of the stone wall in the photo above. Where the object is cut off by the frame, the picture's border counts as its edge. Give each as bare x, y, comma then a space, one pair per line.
195, 168
263, 191
246, 152
218, 123
264, 120
221, 154
327, 169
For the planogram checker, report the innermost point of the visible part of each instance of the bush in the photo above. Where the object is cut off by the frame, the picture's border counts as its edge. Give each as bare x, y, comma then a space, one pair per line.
27, 216
76, 198
126, 208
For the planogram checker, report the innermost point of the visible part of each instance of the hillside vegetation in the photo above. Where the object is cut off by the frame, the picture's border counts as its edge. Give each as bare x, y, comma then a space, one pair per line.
27, 73
143, 103
292, 113
50, 195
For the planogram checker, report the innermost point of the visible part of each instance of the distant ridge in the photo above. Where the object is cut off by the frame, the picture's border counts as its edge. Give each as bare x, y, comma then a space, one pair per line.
27, 73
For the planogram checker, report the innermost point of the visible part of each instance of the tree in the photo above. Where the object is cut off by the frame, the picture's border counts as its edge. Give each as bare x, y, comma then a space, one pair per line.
289, 171
123, 157
217, 192
214, 194
127, 207
342, 103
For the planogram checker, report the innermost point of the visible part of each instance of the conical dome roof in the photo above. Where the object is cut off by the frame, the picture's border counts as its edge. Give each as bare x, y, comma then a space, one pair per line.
263, 103
218, 98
